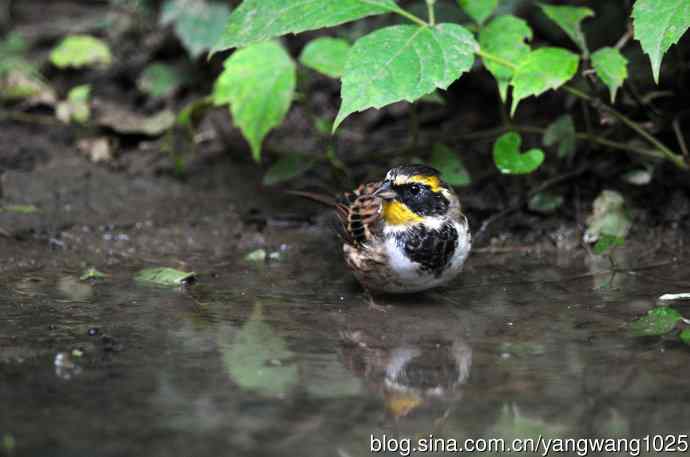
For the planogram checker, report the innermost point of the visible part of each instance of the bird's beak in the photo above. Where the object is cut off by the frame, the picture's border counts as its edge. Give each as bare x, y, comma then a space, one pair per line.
386, 191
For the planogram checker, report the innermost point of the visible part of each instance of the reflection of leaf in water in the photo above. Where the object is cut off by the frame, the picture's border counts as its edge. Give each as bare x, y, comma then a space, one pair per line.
254, 357
326, 377
512, 424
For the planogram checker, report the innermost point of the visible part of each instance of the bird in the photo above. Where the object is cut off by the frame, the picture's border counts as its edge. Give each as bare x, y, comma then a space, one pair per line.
404, 234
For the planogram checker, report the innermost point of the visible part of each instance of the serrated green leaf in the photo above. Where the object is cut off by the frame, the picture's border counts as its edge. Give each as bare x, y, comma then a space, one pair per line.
259, 83
326, 55
164, 276
541, 70
197, 23
288, 167
505, 37
256, 358
80, 51
659, 24
685, 336
159, 80
611, 67
569, 18
403, 62
658, 321
450, 165
479, 10
545, 202
607, 242
508, 158
259, 20
561, 132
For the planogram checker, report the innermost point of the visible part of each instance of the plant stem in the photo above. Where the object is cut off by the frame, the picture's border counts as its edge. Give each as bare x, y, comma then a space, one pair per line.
407, 15
596, 103
432, 15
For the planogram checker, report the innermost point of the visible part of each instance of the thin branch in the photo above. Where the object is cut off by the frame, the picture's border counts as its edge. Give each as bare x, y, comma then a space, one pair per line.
681, 138
430, 9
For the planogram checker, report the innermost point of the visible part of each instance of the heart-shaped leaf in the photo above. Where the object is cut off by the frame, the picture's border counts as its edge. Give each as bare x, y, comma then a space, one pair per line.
403, 62
508, 158
658, 321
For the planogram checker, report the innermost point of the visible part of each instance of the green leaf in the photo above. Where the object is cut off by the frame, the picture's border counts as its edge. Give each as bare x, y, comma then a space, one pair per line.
164, 276
81, 51
570, 18
685, 336
508, 158
19, 209
258, 359
194, 111
198, 23
611, 67
545, 202
326, 55
257, 255
159, 80
607, 242
541, 70
479, 10
658, 321
561, 132
403, 62
92, 273
259, 83
505, 37
450, 165
260, 20
659, 24
77, 107
609, 217
288, 167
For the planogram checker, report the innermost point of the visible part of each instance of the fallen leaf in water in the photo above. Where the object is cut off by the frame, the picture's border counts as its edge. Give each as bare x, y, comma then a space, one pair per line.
165, 276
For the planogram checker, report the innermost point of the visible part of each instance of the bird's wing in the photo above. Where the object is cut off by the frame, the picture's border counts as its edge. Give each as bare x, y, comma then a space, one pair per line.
359, 214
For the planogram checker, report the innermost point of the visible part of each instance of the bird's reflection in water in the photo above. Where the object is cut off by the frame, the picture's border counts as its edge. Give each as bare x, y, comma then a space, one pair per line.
423, 379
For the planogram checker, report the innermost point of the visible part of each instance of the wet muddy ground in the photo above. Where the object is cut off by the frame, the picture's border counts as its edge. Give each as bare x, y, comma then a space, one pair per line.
285, 357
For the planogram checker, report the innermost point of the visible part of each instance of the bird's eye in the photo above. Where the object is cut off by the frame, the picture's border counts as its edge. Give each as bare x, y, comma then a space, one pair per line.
415, 189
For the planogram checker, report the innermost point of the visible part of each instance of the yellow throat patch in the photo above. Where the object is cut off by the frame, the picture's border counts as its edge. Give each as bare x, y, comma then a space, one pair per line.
397, 213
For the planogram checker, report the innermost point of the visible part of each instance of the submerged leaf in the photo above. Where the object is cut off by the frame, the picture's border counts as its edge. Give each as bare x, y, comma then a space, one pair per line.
609, 217
81, 51
256, 358
164, 276
326, 55
685, 336
659, 24
259, 83
541, 70
450, 165
508, 158
658, 321
403, 62
259, 20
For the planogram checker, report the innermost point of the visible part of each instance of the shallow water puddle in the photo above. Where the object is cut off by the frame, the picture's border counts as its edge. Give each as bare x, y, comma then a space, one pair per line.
285, 358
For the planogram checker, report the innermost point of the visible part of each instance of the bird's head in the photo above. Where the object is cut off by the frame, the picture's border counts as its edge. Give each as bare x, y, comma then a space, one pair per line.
411, 193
